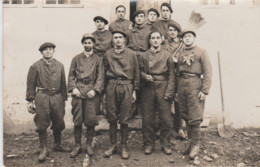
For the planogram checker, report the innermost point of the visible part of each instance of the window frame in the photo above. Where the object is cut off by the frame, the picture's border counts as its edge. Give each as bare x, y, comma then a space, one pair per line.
22, 5
80, 5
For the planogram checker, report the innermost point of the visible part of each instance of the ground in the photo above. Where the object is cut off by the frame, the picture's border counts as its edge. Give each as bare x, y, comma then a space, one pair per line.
243, 149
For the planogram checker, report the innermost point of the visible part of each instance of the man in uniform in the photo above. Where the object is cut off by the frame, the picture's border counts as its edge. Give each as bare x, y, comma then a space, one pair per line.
85, 82
157, 73
195, 74
175, 46
120, 23
103, 37
162, 25
46, 89
122, 82
152, 17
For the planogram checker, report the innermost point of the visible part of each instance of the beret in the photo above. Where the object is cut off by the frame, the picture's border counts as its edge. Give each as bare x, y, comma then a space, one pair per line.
47, 44
188, 31
155, 11
119, 31
100, 18
88, 36
138, 12
167, 5
175, 25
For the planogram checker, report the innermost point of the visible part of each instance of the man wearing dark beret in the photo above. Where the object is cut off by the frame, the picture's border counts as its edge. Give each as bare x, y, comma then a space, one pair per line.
122, 82
152, 16
194, 71
103, 37
162, 25
46, 90
85, 83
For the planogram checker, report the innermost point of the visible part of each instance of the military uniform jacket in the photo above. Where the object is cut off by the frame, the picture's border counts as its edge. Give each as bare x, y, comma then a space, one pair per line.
86, 73
48, 76
196, 61
122, 65
123, 25
103, 40
162, 27
159, 63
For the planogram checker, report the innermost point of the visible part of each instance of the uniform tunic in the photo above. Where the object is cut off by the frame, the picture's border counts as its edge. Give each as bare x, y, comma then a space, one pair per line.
122, 25
86, 73
193, 61
122, 76
103, 41
162, 27
160, 66
50, 107
138, 38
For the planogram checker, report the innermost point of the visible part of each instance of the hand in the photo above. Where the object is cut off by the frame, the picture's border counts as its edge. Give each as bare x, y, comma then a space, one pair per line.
149, 78
173, 108
176, 97
31, 107
76, 92
201, 96
134, 96
91, 94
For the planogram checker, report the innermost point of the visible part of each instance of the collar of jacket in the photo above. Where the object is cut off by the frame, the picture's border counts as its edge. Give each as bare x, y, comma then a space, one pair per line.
120, 20
88, 54
48, 61
119, 50
154, 51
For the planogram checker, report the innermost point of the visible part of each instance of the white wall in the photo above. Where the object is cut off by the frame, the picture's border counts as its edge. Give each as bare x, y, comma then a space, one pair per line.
233, 31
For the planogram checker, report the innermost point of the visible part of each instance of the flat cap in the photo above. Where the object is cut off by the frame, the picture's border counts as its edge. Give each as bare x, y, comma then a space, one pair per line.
155, 11
138, 12
47, 44
188, 31
167, 5
88, 36
120, 32
100, 18
175, 25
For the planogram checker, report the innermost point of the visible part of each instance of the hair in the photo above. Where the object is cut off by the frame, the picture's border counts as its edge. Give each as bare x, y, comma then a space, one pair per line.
120, 6
149, 37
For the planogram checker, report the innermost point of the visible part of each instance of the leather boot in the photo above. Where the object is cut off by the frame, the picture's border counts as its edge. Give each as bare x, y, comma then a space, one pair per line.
57, 143
195, 142
43, 146
90, 136
187, 148
124, 136
113, 138
77, 135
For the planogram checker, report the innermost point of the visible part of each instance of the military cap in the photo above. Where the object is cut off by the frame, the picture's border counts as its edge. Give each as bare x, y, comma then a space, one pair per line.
188, 31
167, 5
155, 11
88, 36
100, 18
175, 25
47, 44
120, 32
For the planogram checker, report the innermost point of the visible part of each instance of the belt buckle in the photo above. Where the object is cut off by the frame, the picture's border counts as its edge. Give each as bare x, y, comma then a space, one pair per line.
185, 76
51, 92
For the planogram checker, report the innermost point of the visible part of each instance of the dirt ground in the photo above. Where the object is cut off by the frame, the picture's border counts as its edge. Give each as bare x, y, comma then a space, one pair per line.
243, 149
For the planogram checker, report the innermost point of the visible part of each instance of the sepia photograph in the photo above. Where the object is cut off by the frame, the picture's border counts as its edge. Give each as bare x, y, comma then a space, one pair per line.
127, 83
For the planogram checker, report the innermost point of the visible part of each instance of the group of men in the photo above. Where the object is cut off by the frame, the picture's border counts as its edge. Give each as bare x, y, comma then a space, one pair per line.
148, 62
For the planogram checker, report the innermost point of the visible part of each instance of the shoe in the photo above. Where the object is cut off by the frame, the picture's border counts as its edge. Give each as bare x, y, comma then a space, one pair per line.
43, 154
148, 150
76, 151
61, 148
167, 150
124, 152
194, 151
90, 150
181, 134
110, 151
187, 149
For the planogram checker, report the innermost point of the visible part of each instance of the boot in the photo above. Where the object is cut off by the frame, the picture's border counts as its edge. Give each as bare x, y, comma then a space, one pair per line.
167, 150
77, 148
113, 138
90, 136
124, 136
43, 146
57, 143
195, 142
187, 148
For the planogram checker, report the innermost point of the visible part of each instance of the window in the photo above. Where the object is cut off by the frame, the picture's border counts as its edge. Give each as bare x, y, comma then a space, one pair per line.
63, 3
19, 3
210, 2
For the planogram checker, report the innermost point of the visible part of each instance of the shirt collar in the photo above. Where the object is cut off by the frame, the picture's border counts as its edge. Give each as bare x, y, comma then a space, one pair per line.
153, 50
88, 54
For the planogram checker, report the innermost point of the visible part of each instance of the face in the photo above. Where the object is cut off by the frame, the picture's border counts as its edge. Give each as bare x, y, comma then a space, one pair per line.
88, 45
155, 39
188, 39
118, 39
173, 32
166, 13
100, 24
120, 13
48, 52
152, 16
139, 19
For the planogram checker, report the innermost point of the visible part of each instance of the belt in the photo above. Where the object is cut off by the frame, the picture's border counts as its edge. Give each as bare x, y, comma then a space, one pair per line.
159, 77
50, 92
120, 81
188, 75
85, 81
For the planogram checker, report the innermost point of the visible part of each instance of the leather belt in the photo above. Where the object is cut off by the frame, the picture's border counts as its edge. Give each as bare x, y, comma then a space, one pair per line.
85, 81
50, 92
120, 81
159, 77
188, 75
